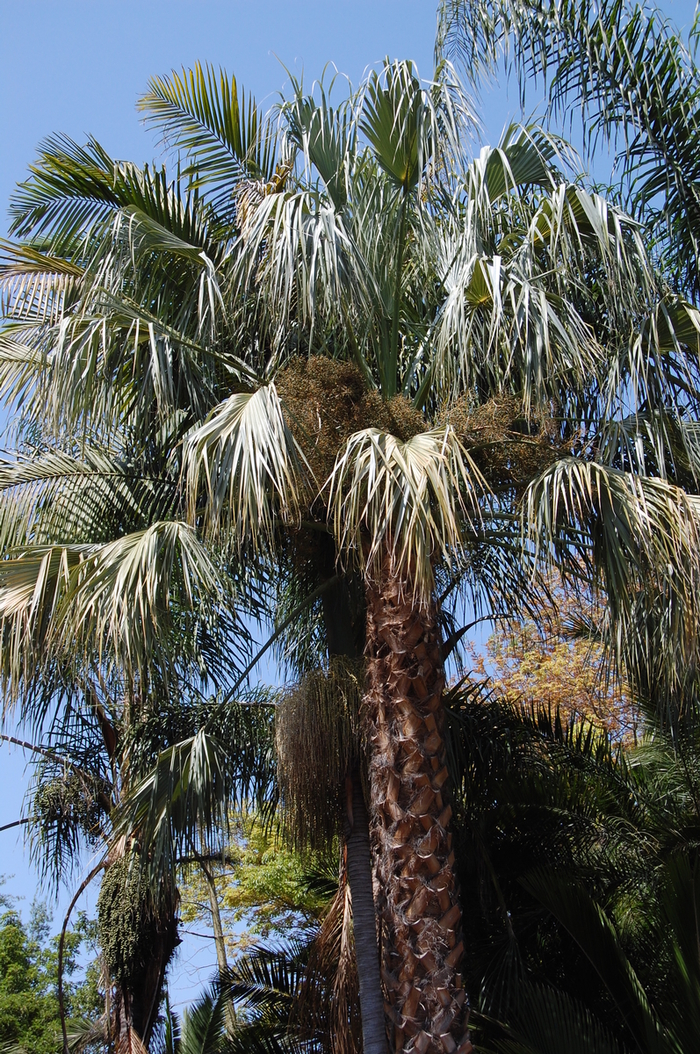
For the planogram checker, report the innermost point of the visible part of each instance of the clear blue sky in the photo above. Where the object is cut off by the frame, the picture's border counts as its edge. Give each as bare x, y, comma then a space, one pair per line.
78, 67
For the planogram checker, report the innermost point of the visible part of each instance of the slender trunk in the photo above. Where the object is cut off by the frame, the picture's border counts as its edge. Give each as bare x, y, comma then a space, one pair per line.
421, 916
364, 919
219, 940
341, 641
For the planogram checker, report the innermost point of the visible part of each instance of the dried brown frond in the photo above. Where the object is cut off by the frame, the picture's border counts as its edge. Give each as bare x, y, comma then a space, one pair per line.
318, 741
330, 996
510, 447
325, 401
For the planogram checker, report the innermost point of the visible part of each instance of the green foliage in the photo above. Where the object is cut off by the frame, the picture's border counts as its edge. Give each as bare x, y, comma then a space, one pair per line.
267, 891
29, 1015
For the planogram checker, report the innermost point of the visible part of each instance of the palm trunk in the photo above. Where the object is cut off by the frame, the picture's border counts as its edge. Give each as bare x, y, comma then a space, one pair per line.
364, 919
219, 939
341, 641
421, 916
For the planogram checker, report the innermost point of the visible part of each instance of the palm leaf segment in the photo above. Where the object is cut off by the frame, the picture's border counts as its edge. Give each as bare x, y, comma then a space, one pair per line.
250, 464
112, 601
412, 498
641, 535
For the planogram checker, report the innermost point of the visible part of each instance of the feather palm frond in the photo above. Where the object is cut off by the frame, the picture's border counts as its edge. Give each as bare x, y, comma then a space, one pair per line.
219, 128
56, 497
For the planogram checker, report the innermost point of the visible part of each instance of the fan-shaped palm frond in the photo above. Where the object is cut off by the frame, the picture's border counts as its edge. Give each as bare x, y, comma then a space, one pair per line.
416, 499
641, 535
249, 463
54, 598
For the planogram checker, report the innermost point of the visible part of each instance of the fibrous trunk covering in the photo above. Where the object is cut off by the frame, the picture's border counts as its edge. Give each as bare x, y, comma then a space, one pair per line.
420, 913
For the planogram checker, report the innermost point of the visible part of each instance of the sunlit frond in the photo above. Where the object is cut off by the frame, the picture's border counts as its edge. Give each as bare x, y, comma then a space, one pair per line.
246, 461
113, 600
326, 136
635, 80
409, 126
58, 498
419, 500
220, 130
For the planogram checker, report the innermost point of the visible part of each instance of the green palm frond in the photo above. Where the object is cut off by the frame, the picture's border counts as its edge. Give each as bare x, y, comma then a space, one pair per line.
417, 499
54, 498
634, 79
69, 189
187, 795
409, 127
218, 127
549, 1021
56, 598
326, 136
249, 465
202, 1027
592, 928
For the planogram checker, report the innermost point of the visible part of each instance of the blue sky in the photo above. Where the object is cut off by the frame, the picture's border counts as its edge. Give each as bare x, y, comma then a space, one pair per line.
78, 67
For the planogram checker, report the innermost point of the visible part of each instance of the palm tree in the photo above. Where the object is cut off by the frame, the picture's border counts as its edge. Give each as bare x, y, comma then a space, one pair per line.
91, 536
393, 346
433, 288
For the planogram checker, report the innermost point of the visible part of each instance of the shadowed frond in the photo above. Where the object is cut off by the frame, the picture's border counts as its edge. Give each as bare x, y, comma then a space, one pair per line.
188, 794
548, 1021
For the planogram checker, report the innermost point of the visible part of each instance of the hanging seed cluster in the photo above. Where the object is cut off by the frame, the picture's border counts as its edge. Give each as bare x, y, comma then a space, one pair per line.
421, 918
132, 923
318, 741
325, 401
68, 804
509, 448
